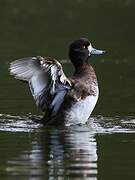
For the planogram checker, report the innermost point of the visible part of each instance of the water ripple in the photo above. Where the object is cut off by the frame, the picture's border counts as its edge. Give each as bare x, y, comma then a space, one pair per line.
18, 123
97, 124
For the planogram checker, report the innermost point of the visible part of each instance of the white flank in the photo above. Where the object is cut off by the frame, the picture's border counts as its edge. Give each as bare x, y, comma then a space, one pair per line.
81, 110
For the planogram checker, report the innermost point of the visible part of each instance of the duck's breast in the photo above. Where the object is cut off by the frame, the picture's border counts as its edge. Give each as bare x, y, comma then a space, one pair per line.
81, 110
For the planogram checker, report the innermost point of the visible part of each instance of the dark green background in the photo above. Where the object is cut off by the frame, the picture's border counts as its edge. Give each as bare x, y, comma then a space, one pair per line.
29, 28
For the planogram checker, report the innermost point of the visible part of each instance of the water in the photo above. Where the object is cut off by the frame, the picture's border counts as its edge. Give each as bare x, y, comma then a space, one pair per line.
103, 148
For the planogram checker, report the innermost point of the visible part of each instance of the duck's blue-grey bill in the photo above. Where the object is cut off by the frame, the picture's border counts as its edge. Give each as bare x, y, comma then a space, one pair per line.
96, 51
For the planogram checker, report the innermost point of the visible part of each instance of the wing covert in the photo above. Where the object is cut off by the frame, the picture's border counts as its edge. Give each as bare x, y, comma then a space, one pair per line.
46, 79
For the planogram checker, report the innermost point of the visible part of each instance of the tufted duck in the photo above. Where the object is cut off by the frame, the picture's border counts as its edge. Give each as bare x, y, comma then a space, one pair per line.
63, 100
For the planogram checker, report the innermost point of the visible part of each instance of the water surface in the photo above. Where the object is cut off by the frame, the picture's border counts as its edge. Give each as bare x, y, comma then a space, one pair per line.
102, 149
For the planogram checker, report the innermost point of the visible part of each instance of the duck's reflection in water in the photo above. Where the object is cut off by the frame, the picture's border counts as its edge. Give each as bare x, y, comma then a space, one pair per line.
70, 152
57, 154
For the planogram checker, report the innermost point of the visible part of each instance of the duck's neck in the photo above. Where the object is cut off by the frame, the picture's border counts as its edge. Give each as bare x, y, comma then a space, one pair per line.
86, 73
82, 69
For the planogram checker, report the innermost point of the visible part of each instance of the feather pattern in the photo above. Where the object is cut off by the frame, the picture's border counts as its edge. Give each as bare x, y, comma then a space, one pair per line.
46, 79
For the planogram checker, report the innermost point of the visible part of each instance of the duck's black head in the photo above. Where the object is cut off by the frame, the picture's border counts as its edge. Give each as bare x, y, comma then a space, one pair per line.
80, 50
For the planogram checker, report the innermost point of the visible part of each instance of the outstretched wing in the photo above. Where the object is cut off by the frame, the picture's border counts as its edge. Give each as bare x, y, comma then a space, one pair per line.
47, 81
